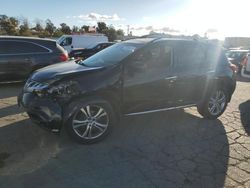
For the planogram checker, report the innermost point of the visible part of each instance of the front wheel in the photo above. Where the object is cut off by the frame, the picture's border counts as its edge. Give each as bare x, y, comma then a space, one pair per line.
214, 105
92, 121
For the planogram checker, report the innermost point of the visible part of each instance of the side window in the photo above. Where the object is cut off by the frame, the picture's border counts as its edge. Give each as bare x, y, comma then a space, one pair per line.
149, 64
189, 57
3, 49
98, 47
67, 41
212, 57
20, 47
104, 46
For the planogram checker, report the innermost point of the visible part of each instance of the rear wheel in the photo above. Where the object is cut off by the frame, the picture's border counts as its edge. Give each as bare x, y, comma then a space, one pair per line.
91, 122
215, 104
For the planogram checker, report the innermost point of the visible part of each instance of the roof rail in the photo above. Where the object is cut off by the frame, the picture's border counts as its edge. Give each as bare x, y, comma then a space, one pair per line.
156, 39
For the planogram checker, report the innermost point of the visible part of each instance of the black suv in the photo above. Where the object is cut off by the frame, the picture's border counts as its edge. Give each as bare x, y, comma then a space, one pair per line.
131, 78
85, 53
20, 56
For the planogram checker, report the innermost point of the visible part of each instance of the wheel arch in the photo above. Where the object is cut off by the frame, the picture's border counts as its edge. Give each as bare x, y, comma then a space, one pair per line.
111, 97
221, 82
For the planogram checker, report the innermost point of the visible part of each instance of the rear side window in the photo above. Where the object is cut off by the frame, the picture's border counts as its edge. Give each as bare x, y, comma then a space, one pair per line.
20, 47
104, 46
98, 47
215, 56
189, 56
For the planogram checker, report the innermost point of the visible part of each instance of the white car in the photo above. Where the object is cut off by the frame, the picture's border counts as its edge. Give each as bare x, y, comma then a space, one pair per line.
245, 71
71, 42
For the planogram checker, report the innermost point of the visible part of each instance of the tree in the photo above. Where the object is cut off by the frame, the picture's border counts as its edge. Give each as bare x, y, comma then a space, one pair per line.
50, 28
101, 27
85, 28
65, 28
120, 32
24, 29
38, 27
11, 26
75, 29
111, 34
8, 25
58, 33
3, 19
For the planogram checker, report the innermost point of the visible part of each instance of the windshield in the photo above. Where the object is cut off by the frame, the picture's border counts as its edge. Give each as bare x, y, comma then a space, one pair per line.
233, 54
92, 46
60, 39
111, 55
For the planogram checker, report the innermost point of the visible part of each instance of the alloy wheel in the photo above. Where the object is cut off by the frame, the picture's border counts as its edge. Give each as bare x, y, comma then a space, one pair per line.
90, 122
217, 102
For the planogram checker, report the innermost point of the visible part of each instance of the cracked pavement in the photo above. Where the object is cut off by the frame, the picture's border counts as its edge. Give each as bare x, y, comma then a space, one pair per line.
169, 149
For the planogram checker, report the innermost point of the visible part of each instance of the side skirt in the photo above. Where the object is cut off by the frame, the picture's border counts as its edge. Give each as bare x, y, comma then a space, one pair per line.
159, 110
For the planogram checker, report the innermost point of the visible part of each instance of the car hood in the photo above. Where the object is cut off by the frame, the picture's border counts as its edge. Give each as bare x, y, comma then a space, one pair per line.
60, 70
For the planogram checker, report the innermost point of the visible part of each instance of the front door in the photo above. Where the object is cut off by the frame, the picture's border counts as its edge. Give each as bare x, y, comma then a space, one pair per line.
147, 79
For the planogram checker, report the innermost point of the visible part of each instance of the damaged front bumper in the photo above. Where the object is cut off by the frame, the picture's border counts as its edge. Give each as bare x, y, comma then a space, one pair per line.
43, 111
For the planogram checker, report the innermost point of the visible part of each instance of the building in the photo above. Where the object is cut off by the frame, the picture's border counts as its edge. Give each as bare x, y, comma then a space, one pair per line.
233, 42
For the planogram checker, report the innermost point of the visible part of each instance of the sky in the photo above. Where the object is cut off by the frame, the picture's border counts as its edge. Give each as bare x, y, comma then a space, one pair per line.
217, 18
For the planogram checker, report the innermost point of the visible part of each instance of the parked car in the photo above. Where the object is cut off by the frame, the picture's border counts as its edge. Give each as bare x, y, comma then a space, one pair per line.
237, 57
71, 42
245, 71
20, 56
85, 53
134, 77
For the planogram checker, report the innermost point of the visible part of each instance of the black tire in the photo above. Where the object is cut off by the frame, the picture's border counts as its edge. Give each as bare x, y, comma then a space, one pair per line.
204, 108
92, 103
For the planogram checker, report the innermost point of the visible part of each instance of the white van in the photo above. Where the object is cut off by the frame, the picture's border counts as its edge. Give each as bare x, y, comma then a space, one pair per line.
70, 42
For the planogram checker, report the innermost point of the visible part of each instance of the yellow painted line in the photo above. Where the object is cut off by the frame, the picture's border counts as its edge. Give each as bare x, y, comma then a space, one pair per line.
5, 102
8, 120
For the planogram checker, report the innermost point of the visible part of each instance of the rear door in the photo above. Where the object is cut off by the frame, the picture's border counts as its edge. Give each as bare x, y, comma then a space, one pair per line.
190, 81
17, 58
147, 79
14, 61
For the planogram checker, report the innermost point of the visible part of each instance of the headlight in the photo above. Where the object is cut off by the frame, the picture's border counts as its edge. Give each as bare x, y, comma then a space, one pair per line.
63, 90
46, 89
39, 93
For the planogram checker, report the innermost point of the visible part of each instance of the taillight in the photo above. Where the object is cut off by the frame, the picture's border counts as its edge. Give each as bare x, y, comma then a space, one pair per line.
63, 57
233, 67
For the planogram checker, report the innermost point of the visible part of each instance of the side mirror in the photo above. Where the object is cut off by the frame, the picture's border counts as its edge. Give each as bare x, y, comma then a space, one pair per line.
62, 43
